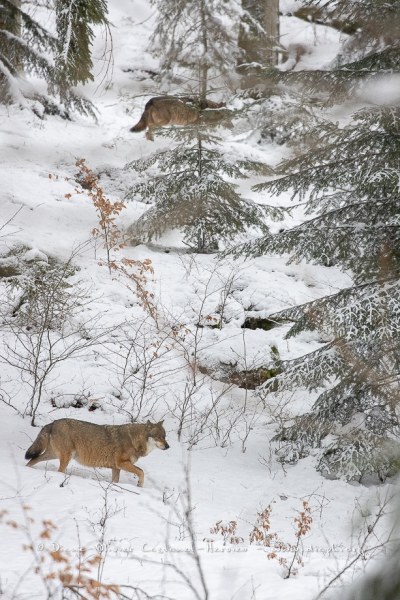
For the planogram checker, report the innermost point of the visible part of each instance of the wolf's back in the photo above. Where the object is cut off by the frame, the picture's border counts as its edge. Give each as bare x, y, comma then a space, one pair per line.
40, 444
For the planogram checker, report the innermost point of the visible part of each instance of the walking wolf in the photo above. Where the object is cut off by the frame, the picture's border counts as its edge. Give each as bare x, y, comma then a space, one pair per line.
117, 447
168, 110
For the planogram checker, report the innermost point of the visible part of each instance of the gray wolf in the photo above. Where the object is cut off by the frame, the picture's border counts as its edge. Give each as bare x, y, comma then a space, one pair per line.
169, 110
117, 447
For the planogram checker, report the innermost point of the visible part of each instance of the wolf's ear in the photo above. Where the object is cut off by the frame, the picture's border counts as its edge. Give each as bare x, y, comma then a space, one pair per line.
148, 424
161, 422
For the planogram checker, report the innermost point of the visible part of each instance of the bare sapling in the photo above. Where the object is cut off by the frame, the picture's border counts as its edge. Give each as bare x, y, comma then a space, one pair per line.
204, 407
303, 523
59, 573
371, 542
135, 272
190, 573
107, 211
261, 534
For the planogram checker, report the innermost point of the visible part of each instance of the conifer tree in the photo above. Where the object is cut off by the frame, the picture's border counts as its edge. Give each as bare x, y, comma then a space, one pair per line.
348, 181
196, 41
74, 21
192, 192
62, 61
24, 43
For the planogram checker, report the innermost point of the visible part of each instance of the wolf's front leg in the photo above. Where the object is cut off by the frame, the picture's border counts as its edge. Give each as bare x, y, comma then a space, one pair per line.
115, 475
128, 466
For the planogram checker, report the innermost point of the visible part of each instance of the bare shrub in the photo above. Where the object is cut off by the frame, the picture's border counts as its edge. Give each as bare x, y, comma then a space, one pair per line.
262, 535
41, 328
141, 363
228, 532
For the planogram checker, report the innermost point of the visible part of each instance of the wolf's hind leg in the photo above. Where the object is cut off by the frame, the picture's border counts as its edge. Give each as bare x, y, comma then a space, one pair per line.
115, 475
64, 460
150, 134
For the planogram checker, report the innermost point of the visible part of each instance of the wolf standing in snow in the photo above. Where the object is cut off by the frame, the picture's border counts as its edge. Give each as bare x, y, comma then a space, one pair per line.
168, 110
117, 447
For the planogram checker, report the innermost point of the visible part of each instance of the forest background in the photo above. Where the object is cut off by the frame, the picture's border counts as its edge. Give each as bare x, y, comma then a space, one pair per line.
240, 281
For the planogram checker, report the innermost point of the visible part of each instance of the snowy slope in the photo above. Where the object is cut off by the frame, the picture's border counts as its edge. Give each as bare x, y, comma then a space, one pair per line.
144, 540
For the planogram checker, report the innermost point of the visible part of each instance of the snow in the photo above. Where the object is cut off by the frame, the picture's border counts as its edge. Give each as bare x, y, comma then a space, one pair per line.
145, 530
321, 44
382, 90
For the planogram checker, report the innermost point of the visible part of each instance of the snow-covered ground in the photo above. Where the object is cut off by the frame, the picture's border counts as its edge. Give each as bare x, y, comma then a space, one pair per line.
142, 535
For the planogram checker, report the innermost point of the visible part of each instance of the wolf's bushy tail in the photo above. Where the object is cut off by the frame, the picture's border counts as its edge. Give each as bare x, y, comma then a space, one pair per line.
40, 444
141, 124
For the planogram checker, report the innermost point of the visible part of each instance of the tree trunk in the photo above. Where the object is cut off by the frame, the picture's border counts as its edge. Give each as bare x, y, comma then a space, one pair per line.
258, 38
203, 67
271, 26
